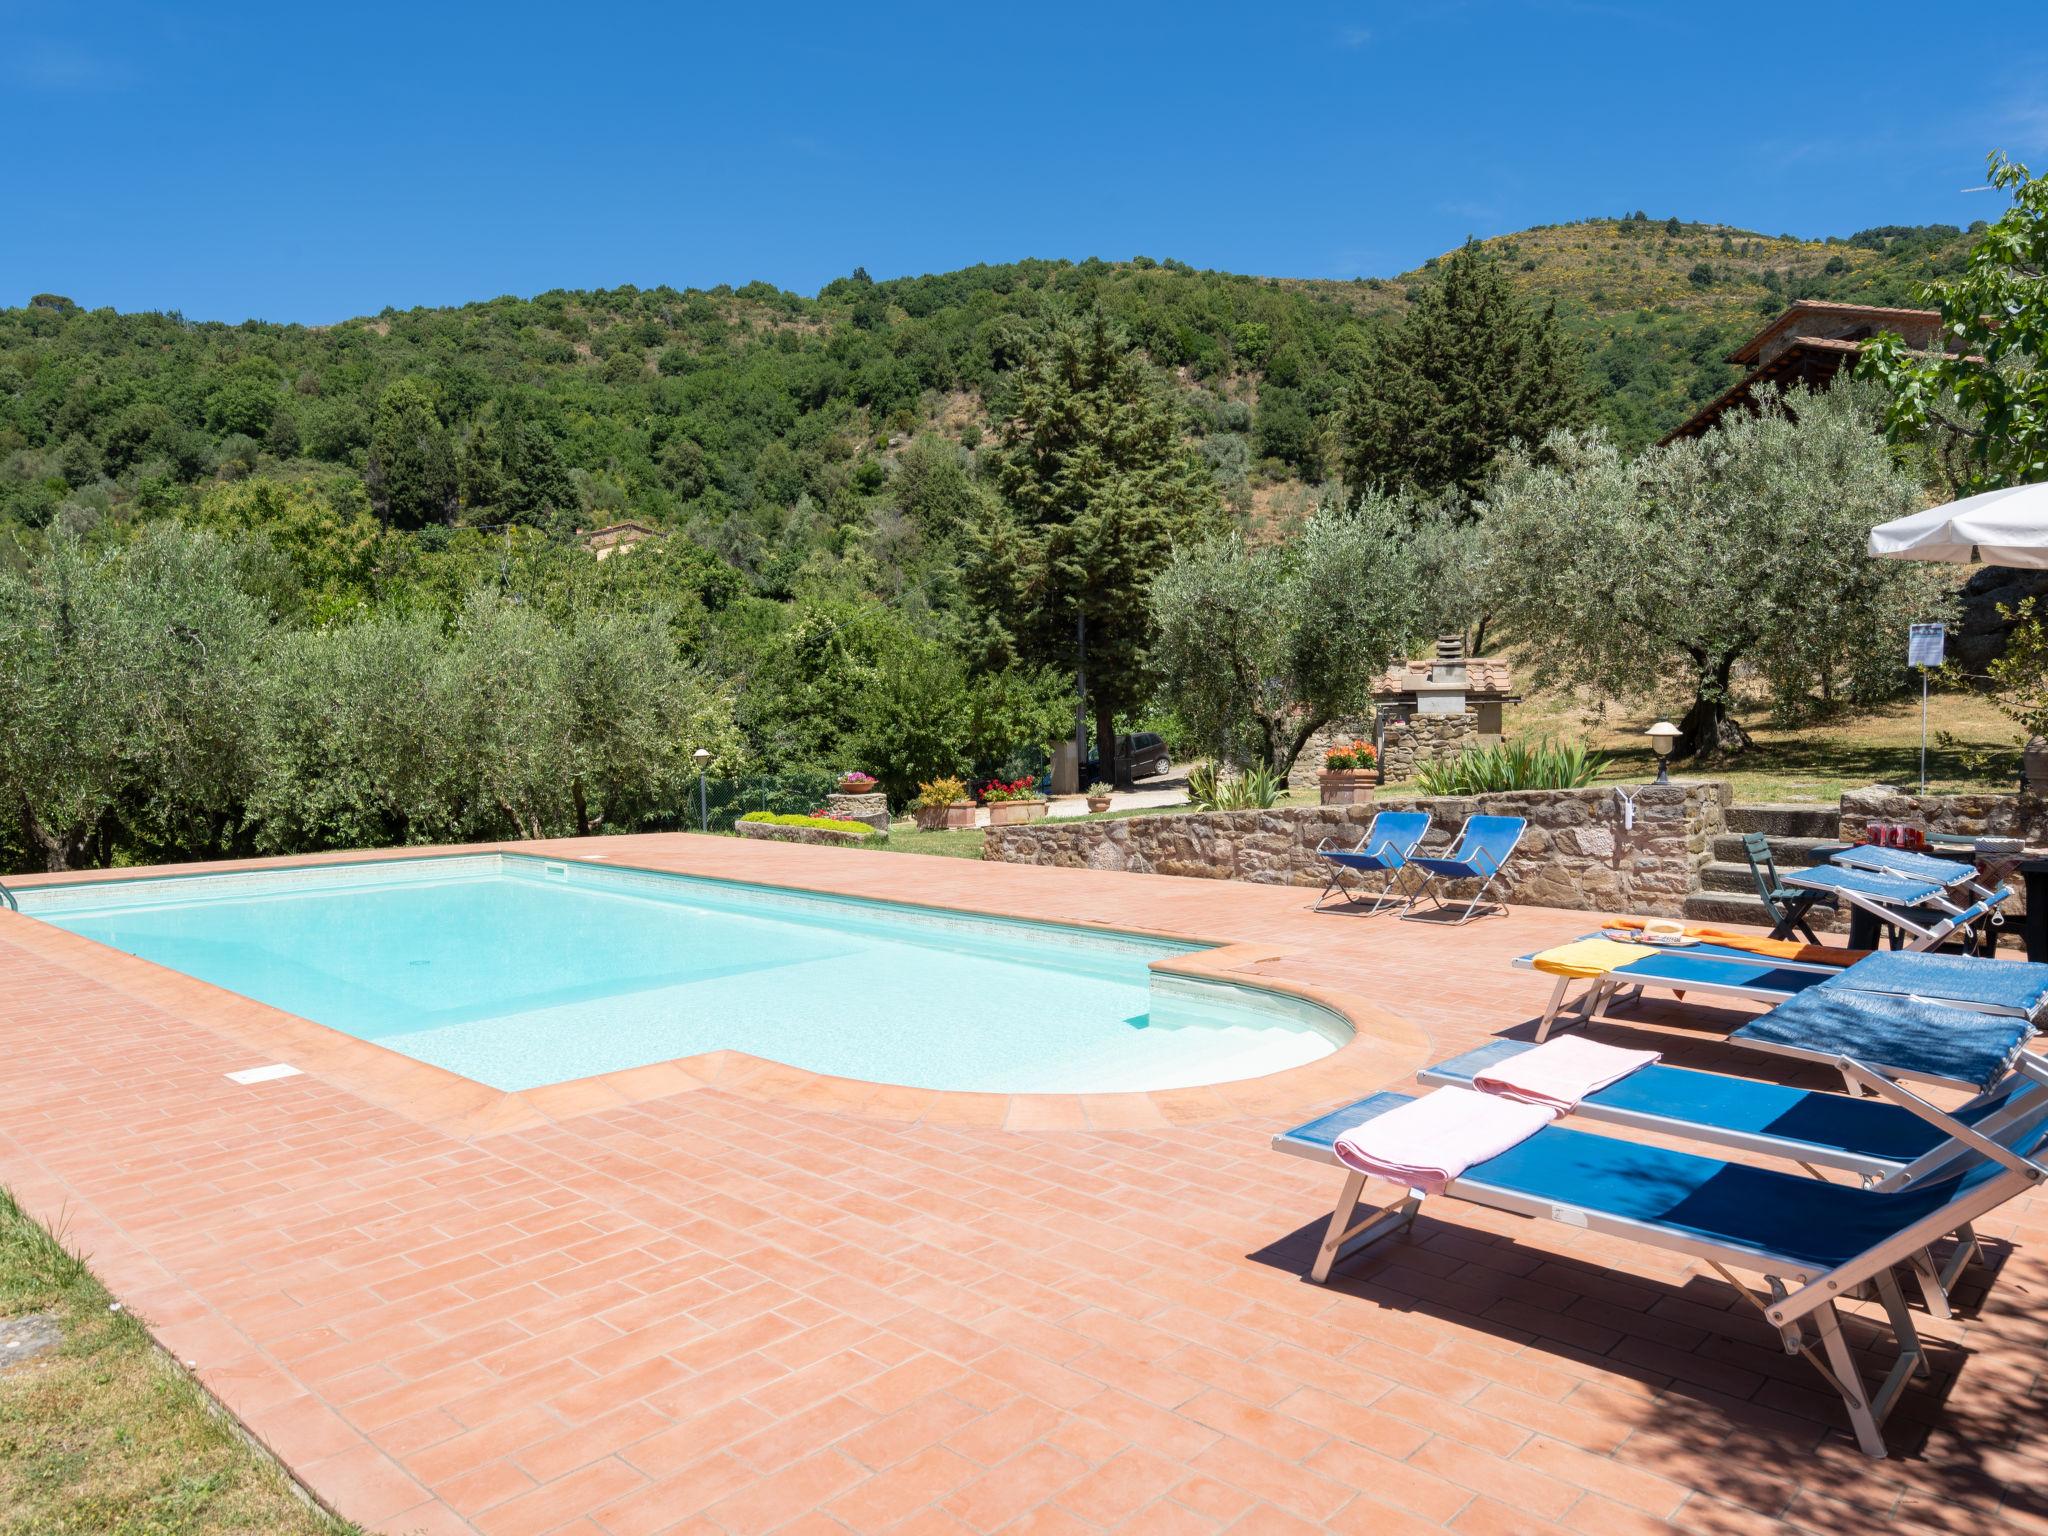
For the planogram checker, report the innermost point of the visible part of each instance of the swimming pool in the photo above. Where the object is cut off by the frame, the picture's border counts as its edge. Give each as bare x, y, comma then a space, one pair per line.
518, 971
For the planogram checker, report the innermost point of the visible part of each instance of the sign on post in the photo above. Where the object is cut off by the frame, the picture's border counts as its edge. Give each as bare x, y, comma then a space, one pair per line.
1925, 645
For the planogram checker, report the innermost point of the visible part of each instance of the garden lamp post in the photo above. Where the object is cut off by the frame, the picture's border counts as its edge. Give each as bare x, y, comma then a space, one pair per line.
702, 756
1663, 735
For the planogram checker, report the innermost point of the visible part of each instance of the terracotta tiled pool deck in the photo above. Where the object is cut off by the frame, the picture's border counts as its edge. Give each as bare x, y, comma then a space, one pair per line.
726, 1296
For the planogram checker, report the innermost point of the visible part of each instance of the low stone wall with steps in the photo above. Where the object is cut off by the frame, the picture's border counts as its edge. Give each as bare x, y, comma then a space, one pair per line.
1785, 818
1577, 853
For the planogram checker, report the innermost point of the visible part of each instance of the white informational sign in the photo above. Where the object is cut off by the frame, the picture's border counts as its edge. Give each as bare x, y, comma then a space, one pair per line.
1925, 644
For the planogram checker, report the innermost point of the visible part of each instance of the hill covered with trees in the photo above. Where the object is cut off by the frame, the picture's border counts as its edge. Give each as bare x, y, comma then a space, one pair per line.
272, 587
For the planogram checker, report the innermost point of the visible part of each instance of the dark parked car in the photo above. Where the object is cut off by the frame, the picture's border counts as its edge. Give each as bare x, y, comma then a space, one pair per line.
1145, 753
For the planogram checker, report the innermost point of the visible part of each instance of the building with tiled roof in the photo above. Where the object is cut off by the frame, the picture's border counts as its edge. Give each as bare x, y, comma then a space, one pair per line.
1450, 682
1811, 342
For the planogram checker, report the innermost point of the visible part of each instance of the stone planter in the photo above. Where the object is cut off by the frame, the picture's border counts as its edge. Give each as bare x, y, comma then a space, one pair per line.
824, 836
941, 818
1097, 804
1009, 813
1348, 786
871, 809
2035, 763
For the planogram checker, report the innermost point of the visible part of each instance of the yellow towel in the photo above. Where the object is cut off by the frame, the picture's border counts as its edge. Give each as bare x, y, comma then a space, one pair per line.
1587, 958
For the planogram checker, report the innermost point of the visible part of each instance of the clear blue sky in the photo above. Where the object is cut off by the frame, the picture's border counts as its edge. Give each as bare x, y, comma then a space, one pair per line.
313, 162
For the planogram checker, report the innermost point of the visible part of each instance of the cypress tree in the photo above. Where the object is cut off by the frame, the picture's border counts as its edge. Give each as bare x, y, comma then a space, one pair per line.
1096, 486
410, 472
1470, 369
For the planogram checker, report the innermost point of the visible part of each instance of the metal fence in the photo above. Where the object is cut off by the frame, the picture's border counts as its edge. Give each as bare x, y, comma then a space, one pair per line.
726, 800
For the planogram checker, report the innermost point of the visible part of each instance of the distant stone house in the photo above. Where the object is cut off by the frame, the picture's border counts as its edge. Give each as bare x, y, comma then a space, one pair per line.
1808, 344
611, 539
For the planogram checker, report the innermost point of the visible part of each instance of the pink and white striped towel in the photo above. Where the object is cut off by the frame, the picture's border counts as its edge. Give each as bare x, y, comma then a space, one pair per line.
1430, 1141
1558, 1074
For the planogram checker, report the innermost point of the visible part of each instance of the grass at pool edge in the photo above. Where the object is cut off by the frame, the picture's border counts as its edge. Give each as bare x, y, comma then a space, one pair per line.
104, 1436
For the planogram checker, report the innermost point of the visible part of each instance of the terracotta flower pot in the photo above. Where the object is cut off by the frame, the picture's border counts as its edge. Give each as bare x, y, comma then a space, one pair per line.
1009, 813
1097, 804
1348, 786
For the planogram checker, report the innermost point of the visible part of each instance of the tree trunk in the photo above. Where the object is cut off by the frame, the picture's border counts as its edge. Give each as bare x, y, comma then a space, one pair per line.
1111, 770
582, 807
1709, 732
1287, 754
60, 851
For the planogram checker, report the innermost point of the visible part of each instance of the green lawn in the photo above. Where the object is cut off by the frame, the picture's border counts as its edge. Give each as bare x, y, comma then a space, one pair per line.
103, 1436
1815, 761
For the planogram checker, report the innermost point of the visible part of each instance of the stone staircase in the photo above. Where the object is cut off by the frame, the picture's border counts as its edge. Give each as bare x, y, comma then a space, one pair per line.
1725, 893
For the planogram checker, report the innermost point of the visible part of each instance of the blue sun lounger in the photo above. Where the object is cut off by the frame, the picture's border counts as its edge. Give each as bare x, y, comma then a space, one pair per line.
1949, 874
1713, 969
1965, 981
1925, 909
1384, 849
1813, 1241
1882, 1143
1485, 844
1902, 1037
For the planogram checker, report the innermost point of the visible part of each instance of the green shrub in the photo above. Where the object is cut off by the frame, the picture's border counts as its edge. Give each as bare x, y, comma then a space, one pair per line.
1511, 765
822, 823
1211, 789
939, 793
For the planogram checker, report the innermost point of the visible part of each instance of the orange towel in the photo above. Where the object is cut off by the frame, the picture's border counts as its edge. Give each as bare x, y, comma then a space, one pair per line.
1756, 944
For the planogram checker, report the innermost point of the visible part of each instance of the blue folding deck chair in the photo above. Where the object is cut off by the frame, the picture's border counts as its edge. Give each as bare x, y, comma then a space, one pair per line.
1947, 873
1925, 909
1385, 848
1813, 1241
1484, 847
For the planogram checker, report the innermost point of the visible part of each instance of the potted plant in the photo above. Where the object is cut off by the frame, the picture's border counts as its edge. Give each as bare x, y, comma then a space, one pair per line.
943, 803
859, 797
1018, 800
1098, 798
1350, 771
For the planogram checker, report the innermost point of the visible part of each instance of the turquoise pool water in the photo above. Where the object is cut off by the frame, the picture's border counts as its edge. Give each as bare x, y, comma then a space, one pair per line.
518, 971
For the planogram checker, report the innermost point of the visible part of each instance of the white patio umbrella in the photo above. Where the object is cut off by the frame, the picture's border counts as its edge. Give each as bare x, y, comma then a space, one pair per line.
2006, 527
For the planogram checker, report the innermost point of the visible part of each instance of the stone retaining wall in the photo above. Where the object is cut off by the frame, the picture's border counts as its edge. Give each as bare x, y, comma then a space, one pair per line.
1981, 815
1576, 853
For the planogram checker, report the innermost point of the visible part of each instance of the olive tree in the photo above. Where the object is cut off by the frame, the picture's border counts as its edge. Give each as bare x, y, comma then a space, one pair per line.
398, 729
355, 750
1260, 647
126, 682
1744, 547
